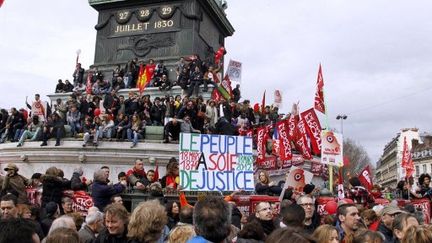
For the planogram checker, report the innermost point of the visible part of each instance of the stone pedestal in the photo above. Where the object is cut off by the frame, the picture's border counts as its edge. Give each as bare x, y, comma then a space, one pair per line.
159, 30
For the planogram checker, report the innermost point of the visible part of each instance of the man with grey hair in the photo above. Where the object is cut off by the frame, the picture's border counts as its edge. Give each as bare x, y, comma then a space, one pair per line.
308, 204
64, 221
102, 192
93, 225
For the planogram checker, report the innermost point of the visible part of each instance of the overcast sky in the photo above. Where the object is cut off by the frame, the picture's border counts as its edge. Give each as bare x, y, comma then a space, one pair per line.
376, 56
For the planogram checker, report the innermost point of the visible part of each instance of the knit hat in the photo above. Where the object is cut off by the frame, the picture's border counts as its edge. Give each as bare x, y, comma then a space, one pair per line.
308, 188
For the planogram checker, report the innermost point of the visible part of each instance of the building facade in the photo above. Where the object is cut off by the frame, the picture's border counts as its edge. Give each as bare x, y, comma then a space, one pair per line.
389, 170
422, 155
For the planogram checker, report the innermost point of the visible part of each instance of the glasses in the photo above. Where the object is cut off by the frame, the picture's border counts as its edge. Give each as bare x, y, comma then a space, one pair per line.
305, 205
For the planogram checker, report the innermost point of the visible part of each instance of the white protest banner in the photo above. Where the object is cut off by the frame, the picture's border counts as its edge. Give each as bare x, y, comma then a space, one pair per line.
234, 71
210, 162
331, 148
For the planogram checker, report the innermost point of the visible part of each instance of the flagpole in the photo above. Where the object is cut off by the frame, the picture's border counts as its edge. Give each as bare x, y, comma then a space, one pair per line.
326, 128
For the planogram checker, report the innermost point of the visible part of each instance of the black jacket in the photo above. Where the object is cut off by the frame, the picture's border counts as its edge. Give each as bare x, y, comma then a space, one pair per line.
52, 189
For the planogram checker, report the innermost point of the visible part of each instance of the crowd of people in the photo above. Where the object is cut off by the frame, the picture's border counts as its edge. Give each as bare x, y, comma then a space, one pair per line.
357, 219
107, 115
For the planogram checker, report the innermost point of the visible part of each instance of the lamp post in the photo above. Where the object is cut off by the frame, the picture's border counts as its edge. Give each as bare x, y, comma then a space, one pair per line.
341, 118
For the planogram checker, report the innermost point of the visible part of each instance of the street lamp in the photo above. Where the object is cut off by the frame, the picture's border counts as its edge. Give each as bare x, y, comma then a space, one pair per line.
341, 117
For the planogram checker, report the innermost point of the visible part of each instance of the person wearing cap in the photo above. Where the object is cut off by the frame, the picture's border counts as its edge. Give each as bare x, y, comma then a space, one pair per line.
388, 214
15, 182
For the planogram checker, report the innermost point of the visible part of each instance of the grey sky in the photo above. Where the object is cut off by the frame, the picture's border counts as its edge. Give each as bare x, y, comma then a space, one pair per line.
375, 56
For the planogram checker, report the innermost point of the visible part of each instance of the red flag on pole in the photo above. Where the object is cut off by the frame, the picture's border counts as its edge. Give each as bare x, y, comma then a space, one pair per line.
313, 129
366, 179
262, 136
142, 79
407, 161
89, 83
156, 173
1, 3
263, 102
319, 94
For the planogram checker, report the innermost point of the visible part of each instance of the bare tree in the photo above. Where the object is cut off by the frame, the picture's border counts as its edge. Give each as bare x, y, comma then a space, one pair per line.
357, 156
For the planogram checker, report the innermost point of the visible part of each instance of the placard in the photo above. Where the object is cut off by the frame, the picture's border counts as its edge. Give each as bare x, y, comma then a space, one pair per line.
210, 162
332, 148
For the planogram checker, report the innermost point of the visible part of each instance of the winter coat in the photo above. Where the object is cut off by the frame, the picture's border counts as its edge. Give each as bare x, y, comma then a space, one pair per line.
52, 189
102, 193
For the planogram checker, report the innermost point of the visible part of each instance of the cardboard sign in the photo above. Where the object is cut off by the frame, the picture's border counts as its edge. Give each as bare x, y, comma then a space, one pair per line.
332, 148
210, 162
298, 178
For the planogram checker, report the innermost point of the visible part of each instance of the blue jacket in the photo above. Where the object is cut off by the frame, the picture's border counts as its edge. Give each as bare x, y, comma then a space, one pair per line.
102, 193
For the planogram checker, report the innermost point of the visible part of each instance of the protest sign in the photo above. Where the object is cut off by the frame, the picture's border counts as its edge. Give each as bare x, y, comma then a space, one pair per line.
234, 70
210, 162
332, 148
298, 178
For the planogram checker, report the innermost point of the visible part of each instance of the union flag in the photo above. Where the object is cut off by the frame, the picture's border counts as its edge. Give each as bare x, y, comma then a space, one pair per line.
319, 94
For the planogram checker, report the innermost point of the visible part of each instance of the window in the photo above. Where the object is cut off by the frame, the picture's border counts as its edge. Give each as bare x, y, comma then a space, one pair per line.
424, 169
417, 168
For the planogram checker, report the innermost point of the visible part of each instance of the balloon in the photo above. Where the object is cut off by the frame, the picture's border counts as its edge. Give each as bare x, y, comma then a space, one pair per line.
97, 112
331, 207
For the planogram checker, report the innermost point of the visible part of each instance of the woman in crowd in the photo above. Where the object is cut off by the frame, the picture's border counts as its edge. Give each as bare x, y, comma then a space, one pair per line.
147, 223
173, 210
181, 234
212, 113
370, 219
367, 236
418, 234
265, 186
170, 180
401, 224
116, 222
136, 131
326, 234
424, 181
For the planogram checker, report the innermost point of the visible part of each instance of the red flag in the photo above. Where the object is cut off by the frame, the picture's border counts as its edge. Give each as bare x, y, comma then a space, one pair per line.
407, 161
1, 3
142, 78
156, 173
313, 129
89, 83
301, 142
183, 200
319, 94
284, 143
366, 179
263, 103
216, 95
262, 134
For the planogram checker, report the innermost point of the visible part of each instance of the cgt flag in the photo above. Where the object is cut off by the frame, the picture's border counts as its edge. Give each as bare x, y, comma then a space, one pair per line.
366, 179
319, 94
